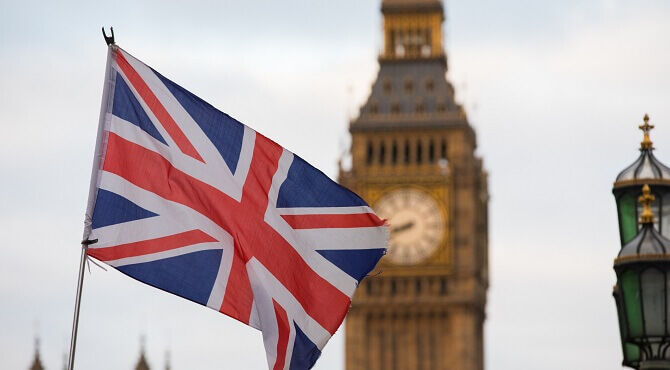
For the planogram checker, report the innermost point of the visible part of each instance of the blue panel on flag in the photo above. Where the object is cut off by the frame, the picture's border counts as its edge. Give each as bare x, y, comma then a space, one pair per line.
128, 108
305, 352
225, 132
190, 275
355, 262
306, 186
112, 209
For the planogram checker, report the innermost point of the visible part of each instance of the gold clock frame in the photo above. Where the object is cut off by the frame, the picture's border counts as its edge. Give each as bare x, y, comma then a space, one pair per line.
442, 257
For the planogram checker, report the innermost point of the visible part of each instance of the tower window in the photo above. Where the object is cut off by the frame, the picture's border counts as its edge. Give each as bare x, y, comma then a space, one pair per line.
387, 86
395, 107
369, 153
443, 286
409, 86
406, 156
430, 85
382, 153
419, 107
443, 149
394, 153
431, 152
419, 152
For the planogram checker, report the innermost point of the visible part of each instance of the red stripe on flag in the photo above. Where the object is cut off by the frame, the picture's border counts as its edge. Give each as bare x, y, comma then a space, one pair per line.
238, 298
282, 335
323, 221
254, 237
150, 246
264, 163
157, 108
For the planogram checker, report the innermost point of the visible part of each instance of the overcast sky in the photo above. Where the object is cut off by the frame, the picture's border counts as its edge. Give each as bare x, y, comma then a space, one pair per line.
554, 89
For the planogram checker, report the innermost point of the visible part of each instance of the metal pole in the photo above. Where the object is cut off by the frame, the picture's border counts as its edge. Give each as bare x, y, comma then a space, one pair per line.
77, 305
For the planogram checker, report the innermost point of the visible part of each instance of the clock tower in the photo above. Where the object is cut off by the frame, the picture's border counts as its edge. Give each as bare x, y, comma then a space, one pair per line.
414, 162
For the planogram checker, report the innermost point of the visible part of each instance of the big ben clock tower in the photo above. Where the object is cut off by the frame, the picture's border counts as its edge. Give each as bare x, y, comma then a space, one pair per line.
414, 162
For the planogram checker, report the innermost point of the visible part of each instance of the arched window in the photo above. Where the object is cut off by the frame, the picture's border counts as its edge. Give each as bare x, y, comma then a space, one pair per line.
419, 152
406, 156
430, 85
394, 153
395, 107
409, 86
386, 85
418, 108
369, 153
431, 152
382, 153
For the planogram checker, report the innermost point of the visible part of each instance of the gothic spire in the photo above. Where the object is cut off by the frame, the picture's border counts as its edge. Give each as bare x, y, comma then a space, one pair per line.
37, 362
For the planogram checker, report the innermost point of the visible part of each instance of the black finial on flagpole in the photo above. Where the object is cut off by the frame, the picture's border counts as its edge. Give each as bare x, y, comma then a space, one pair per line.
108, 39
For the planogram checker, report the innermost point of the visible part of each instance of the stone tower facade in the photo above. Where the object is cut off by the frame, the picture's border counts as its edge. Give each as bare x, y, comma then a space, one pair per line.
414, 162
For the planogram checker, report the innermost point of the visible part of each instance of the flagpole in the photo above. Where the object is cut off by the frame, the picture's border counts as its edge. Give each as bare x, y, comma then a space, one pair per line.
109, 40
77, 306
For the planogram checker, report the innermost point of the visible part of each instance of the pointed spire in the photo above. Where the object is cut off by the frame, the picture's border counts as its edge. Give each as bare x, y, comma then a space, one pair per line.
142, 361
37, 362
647, 217
646, 143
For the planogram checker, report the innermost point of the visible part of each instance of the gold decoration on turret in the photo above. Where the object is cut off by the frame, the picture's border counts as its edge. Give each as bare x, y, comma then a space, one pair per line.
646, 143
647, 217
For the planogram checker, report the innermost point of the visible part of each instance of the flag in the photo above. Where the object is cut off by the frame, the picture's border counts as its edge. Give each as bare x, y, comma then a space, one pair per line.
186, 199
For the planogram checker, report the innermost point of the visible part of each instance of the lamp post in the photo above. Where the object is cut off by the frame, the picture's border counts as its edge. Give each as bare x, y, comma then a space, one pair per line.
642, 293
642, 267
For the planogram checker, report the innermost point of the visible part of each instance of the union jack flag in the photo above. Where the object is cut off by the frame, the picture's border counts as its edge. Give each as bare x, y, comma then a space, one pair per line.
187, 199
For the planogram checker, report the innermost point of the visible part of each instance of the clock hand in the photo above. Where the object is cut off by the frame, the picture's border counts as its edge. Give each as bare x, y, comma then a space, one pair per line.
402, 227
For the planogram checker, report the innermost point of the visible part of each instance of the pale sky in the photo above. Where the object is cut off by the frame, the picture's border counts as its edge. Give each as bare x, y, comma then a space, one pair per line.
554, 89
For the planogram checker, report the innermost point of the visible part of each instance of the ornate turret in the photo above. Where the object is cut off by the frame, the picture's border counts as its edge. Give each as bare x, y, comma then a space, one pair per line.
37, 361
142, 361
412, 29
647, 169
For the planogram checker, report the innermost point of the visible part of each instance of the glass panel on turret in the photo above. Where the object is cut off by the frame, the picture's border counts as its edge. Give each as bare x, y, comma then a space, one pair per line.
653, 299
627, 217
630, 289
646, 170
631, 352
665, 216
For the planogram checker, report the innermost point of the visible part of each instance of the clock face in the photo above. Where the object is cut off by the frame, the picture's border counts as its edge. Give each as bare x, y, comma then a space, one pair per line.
416, 224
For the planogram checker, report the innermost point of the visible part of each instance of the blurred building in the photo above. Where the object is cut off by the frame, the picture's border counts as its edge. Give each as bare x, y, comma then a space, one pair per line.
413, 160
142, 363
